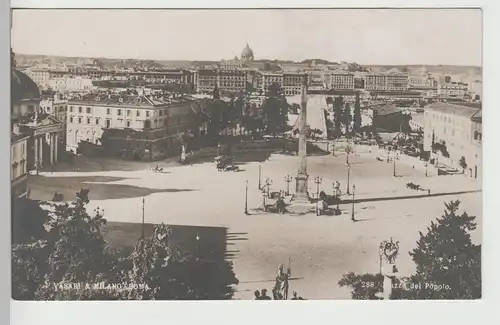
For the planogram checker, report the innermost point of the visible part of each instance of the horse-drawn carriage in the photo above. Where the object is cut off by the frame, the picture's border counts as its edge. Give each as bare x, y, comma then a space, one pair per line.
224, 163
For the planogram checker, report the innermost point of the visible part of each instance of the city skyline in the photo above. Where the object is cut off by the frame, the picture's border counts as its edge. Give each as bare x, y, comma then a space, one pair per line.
364, 37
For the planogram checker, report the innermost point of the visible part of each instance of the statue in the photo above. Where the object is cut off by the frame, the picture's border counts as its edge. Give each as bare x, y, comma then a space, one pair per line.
389, 251
280, 290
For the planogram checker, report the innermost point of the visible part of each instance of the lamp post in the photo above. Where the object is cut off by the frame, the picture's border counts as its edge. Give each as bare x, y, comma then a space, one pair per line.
348, 178
246, 197
318, 181
426, 165
264, 200
268, 183
394, 167
197, 245
348, 149
260, 167
288, 179
353, 191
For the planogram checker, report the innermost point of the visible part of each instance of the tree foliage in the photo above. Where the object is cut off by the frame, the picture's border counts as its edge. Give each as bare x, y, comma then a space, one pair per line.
275, 110
357, 114
337, 115
448, 264
73, 252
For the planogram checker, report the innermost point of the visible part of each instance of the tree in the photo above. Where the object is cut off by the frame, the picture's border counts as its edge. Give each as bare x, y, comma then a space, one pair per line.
444, 257
274, 110
463, 164
170, 275
28, 220
357, 114
337, 115
364, 286
347, 118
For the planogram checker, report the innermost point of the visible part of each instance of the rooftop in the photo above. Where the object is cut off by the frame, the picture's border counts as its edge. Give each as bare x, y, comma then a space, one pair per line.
454, 109
137, 101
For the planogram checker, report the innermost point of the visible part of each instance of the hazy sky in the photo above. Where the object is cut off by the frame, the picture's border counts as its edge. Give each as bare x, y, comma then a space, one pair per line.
367, 36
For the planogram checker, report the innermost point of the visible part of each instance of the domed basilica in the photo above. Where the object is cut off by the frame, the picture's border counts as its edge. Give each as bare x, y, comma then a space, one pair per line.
247, 54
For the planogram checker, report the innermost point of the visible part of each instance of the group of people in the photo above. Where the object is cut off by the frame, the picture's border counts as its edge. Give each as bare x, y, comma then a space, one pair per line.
262, 295
280, 290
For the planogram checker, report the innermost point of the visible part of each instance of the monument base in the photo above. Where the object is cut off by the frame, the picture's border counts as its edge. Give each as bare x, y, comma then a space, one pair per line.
301, 195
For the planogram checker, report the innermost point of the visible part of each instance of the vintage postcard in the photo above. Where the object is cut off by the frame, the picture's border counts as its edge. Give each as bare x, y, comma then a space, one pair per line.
284, 154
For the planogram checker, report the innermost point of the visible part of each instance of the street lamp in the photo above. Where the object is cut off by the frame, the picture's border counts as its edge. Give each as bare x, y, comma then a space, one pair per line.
197, 245
260, 167
353, 191
426, 165
268, 183
288, 179
264, 200
246, 197
348, 149
318, 181
394, 167
348, 178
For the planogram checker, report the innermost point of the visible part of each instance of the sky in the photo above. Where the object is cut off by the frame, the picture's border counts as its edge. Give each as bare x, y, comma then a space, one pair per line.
364, 36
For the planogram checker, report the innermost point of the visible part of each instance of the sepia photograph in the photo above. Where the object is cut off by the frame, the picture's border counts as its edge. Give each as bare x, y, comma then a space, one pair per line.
246, 154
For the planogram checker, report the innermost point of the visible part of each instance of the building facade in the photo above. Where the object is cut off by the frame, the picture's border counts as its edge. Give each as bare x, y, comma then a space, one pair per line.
453, 91
70, 84
460, 128
40, 76
141, 125
290, 82
226, 80
386, 82
341, 80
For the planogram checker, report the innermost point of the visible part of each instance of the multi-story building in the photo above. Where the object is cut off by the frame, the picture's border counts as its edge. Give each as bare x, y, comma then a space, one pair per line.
455, 90
476, 89
422, 83
340, 80
460, 128
234, 64
226, 80
57, 106
69, 84
290, 82
140, 125
386, 82
40, 76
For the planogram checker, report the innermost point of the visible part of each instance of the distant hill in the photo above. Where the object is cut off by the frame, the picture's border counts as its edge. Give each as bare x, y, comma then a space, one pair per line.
433, 69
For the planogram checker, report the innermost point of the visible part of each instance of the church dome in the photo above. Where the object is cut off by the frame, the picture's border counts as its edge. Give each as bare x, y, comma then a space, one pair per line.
247, 54
22, 87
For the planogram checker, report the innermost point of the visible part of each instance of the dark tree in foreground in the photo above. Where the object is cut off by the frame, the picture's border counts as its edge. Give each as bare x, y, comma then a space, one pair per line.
347, 118
446, 260
28, 220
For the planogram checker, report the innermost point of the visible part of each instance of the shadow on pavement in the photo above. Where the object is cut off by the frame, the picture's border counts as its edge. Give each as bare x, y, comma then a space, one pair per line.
43, 188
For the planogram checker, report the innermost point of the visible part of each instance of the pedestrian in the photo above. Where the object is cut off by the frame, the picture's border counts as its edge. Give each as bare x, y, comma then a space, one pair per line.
257, 295
263, 295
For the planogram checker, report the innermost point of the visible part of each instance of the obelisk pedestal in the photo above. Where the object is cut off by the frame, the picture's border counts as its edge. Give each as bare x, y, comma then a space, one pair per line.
301, 194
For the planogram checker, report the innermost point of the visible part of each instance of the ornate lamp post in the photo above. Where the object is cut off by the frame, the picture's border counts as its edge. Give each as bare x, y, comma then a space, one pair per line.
353, 192
318, 181
348, 150
268, 183
246, 197
288, 179
426, 165
264, 200
348, 178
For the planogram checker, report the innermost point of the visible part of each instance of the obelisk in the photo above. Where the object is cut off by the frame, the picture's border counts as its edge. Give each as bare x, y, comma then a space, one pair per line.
301, 194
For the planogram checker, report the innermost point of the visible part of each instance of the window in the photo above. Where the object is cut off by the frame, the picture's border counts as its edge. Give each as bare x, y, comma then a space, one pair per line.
119, 112
108, 111
88, 121
147, 113
71, 109
108, 123
79, 120
48, 109
128, 124
138, 113
71, 119
128, 112
79, 109
88, 110
97, 121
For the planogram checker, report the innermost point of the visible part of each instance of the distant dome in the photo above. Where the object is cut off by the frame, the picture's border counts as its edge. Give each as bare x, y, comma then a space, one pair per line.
247, 54
22, 87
